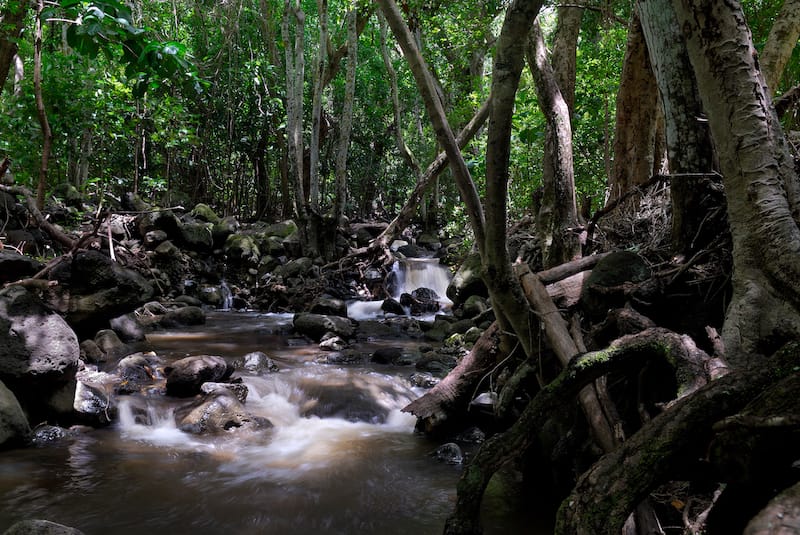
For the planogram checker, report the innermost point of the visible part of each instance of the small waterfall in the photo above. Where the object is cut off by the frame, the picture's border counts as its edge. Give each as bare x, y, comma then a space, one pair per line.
227, 295
409, 274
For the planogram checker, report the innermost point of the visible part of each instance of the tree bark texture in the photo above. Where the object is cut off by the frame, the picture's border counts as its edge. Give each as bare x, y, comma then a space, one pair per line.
316, 105
12, 22
637, 110
558, 214
346, 123
689, 148
47, 134
761, 184
781, 41
564, 55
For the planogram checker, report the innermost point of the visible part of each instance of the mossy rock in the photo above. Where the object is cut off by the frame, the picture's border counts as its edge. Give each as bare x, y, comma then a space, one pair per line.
602, 289
205, 213
242, 247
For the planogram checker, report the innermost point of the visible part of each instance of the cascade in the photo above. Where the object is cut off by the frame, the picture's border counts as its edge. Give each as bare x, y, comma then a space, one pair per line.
227, 295
407, 275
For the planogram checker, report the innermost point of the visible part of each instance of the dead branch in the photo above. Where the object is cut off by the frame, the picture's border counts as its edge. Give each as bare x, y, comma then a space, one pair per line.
450, 397
30, 203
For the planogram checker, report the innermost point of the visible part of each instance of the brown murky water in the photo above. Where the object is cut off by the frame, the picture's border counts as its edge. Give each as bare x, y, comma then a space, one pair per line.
354, 466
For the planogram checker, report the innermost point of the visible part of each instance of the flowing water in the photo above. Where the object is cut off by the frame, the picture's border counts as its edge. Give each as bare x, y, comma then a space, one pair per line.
341, 457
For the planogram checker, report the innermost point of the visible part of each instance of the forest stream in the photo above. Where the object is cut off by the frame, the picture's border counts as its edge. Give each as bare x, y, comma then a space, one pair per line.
341, 457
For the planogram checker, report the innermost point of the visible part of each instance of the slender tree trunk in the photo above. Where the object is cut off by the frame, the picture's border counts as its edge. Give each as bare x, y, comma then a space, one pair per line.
346, 124
405, 152
434, 169
565, 48
760, 180
558, 214
316, 106
12, 22
781, 41
47, 134
689, 149
637, 110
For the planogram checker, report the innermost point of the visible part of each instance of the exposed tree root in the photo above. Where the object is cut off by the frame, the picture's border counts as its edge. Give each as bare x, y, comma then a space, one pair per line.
674, 440
626, 352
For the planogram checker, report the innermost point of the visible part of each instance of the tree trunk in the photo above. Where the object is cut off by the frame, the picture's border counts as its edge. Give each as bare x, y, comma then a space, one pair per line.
564, 54
316, 105
558, 214
436, 167
761, 184
405, 152
781, 41
689, 150
12, 22
47, 134
346, 123
637, 111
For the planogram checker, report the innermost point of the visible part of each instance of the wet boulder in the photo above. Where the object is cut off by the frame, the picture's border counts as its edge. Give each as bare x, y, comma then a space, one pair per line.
283, 229
449, 453
136, 373
186, 376
257, 362
421, 301
93, 402
14, 266
239, 389
329, 305
467, 281
110, 344
45, 435
40, 527
399, 356
196, 235
39, 353
95, 289
203, 212
183, 316
242, 248
392, 306
299, 267
220, 231
14, 428
128, 328
217, 412
316, 325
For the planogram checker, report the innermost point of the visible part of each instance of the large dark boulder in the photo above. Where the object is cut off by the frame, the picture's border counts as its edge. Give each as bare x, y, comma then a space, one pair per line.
187, 375
94, 289
467, 281
605, 288
216, 412
40, 527
14, 427
39, 353
316, 325
14, 266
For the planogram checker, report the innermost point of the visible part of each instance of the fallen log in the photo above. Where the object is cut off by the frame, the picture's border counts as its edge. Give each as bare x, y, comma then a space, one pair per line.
448, 401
